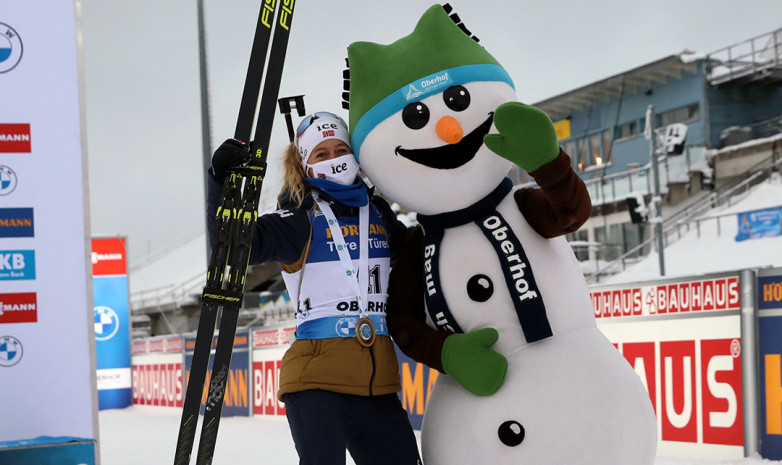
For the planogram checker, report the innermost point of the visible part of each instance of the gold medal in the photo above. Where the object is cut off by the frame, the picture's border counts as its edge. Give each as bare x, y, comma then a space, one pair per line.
365, 332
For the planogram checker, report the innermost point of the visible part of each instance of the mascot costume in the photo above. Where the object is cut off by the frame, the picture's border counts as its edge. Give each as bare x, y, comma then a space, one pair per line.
487, 290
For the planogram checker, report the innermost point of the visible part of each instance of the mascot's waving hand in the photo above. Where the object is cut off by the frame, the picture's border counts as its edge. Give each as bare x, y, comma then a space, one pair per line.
487, 290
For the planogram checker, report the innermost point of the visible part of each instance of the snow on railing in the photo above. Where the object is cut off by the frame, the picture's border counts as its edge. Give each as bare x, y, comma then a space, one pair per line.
745, 58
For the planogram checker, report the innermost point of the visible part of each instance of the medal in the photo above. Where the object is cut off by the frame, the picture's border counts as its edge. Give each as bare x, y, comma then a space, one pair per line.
365, 332
365, 329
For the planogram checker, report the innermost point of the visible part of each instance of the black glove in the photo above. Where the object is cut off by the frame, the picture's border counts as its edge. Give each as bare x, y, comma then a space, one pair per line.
231, 154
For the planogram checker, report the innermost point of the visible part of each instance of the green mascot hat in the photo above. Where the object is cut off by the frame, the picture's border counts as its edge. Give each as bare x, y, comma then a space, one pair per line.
437, 55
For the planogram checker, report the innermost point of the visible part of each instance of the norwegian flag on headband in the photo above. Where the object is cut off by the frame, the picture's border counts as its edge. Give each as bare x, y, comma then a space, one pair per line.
329, 133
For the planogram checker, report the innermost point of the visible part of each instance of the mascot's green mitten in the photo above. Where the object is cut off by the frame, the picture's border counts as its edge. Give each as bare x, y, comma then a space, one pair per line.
526, 136
469, 359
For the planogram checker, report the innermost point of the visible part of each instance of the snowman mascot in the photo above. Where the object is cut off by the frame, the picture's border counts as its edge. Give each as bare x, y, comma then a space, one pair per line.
487, 290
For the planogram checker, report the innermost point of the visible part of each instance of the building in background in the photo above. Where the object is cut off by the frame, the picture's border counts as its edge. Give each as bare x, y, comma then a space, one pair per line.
731, 104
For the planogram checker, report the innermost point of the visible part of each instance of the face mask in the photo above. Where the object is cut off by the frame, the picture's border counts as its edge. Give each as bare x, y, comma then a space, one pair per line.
342, 170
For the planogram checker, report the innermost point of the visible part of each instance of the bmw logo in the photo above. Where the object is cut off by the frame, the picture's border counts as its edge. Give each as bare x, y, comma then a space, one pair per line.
7, 180
345, 325
106, 323
10, 48
10, 351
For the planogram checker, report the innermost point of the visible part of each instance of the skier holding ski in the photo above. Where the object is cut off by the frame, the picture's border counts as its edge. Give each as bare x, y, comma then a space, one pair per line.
334, 241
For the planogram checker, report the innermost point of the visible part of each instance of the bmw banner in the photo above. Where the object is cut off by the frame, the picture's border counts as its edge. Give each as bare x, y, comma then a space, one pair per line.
48, 394
112, 322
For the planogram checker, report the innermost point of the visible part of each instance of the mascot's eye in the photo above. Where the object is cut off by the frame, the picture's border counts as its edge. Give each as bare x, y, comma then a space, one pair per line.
456, 98
480, 288
415, 115
511, 433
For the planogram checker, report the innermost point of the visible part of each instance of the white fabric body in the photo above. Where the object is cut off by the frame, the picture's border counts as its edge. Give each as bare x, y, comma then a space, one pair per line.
558, 389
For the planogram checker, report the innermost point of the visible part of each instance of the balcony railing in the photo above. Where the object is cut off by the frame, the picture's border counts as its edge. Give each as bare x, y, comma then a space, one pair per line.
744, 59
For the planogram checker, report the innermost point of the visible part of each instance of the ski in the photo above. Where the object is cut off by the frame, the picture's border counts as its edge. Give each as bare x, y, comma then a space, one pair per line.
234, 227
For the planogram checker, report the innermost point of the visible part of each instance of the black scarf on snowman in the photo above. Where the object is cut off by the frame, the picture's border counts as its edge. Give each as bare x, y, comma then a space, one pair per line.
519, 277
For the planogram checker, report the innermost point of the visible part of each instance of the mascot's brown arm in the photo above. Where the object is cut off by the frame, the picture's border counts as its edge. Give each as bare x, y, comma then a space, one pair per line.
562, 203
406, 316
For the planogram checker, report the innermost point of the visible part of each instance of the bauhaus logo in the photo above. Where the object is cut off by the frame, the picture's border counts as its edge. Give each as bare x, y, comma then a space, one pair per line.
16, 222
17, 265
15, 137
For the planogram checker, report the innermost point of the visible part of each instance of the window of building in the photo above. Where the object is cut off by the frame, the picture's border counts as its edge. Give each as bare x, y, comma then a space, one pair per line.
623, 131
581, 154
606, 147
610, 240
570, 148
690, 112
595, 157
579, 243
634, 235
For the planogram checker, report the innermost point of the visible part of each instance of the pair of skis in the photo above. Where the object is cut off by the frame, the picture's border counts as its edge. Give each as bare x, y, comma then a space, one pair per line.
234, 228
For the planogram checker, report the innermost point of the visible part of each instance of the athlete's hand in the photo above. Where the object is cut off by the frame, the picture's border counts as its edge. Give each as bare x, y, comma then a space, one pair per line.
470, 360
231, 154
526, 136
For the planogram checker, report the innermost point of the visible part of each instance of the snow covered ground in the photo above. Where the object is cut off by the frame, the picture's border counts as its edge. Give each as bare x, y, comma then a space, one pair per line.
136, 435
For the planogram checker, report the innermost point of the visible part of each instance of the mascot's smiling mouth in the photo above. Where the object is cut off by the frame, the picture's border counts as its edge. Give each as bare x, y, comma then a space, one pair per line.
450, 156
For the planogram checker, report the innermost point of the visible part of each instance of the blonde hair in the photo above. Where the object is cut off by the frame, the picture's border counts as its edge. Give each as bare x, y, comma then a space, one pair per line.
294, 181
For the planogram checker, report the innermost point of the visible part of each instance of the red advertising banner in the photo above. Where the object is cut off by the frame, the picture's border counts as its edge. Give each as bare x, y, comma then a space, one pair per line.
642, 358
109, 257
679, 421
266, 376
700, 388
158, 384
157, 346
15, 138
19, 308
722, 392
659, 299
272, 337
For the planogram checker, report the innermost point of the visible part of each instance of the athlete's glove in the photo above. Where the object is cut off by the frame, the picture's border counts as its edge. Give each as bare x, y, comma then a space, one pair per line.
526, 136
231, 154
470, 360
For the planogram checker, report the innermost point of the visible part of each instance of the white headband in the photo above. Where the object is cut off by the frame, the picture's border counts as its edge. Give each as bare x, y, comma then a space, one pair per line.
316, 128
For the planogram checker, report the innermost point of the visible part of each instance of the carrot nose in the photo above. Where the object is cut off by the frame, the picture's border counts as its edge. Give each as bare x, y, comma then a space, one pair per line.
449, 129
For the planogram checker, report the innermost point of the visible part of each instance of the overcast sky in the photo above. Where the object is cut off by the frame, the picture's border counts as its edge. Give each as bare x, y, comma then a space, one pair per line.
141, 79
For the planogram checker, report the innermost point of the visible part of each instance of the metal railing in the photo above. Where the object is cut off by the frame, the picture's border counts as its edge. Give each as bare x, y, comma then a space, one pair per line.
171, 293
617, 187
745, 58
684, 218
